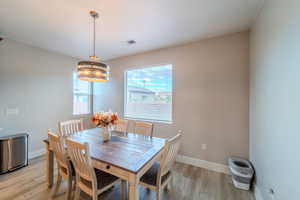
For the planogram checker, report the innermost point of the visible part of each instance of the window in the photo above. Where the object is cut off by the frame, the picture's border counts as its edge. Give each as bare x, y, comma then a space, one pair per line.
148, 94
82, 96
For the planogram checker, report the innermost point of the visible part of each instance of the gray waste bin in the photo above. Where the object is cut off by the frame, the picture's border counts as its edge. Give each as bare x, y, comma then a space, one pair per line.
241, 172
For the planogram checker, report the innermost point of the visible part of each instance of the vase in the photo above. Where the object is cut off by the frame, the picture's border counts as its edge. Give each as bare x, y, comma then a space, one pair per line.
105, 133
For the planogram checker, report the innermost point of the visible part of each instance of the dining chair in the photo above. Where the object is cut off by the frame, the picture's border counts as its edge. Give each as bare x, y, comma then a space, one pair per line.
143, 128
159, 175
88, 179
70, 127
64, 166
121, 125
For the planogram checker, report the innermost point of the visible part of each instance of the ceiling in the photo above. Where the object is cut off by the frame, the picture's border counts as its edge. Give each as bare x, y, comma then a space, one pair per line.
65, 26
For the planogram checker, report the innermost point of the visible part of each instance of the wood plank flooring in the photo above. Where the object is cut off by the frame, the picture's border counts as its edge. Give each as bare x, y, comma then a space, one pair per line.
189, 183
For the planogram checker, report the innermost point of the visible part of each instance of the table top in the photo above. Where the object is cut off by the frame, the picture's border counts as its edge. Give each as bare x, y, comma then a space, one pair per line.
125, 150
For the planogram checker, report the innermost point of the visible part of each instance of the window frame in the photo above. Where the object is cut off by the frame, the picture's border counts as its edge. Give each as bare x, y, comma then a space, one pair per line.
125, 94
90, 97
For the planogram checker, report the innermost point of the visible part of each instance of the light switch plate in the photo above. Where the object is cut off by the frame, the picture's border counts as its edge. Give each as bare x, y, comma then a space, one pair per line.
12, 111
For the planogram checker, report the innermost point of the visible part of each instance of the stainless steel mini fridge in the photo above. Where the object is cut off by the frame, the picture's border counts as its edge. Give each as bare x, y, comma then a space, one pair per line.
13, 152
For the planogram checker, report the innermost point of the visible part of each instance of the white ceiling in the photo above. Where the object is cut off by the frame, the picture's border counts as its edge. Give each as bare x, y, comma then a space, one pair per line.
65, 25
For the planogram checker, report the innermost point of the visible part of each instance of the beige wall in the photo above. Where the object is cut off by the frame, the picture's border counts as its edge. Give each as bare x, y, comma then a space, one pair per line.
210, 94
39, 84
275, 99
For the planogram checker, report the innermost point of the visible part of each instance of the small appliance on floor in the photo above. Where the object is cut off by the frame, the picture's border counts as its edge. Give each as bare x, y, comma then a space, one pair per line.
13, 152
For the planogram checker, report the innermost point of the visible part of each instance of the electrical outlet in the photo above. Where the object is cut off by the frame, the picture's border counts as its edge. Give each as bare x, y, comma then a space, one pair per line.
272, 193
203, 146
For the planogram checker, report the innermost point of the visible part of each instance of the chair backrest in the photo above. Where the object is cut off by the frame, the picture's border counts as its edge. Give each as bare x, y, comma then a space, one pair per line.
57, 146
67, 128
143, 128
80, 157
122, 125
170, 153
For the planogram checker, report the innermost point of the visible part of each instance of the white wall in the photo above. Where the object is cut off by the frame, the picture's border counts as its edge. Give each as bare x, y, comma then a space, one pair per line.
275, 99
210, 94
39, 84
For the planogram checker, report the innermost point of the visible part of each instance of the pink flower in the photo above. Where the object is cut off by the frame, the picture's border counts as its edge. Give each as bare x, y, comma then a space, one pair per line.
104, 119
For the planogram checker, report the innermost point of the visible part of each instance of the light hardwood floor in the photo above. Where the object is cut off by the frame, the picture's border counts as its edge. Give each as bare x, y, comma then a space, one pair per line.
189, 183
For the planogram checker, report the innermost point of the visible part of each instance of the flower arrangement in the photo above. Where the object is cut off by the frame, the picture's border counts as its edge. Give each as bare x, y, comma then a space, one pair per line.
105, 119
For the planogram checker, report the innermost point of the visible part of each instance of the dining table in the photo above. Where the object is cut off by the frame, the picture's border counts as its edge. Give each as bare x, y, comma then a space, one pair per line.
126, 155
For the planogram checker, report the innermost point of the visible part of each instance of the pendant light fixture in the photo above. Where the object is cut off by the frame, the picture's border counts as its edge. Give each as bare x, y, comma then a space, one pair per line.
93, 71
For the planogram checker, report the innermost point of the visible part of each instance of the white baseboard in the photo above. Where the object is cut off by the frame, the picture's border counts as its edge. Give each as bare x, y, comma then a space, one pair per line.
257, 193
37, 153
203, 164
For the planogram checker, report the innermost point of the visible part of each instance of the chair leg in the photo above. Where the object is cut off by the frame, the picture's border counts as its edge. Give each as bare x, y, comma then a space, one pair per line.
74, 184
95, 195
158, 194
168, 186
77, 193
69, 189
56, 187
94, 192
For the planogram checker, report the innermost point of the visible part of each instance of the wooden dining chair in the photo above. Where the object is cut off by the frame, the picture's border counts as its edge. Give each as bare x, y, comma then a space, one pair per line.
92, 181
70, 127
64, 166
122, 125
143, 128
159, 175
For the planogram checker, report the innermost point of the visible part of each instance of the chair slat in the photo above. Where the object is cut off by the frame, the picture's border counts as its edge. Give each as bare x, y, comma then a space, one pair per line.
122, 125
143, 128
70, 127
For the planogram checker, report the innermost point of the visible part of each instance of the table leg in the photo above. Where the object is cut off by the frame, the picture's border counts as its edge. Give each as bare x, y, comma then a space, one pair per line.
49, 166
123, 189
133, 191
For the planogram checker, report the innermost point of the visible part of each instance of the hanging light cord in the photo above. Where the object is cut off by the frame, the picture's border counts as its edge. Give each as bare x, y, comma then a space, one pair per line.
94, 37
95, 15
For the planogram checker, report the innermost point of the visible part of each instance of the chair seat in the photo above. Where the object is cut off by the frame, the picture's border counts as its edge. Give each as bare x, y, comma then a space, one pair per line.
104, 179
150, 176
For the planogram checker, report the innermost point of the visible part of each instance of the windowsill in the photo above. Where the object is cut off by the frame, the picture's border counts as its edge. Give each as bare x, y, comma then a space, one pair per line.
149, 120
82, 115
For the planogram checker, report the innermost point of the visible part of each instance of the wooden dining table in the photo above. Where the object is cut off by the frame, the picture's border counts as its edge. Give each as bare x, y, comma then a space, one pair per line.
126, 155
